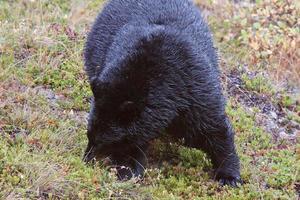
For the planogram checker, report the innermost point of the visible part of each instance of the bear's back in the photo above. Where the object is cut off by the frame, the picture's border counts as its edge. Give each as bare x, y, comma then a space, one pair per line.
179, 15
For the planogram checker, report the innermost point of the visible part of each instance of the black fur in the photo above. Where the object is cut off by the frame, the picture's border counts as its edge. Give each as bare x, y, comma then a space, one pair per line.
153, 68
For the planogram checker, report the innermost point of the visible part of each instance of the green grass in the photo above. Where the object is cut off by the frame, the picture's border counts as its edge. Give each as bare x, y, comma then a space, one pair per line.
258, 83
44, 98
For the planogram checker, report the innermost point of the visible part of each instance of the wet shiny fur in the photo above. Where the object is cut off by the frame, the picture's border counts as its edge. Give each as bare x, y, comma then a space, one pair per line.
153, 68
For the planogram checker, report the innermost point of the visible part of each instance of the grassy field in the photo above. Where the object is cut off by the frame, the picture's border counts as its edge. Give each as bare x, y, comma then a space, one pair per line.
44, 100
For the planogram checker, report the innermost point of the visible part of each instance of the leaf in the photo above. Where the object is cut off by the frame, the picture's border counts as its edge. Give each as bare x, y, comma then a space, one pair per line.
254, 45
35, 143
256, 25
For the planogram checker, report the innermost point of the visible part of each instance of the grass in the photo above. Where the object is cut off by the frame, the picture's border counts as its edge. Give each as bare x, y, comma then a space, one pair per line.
44, 98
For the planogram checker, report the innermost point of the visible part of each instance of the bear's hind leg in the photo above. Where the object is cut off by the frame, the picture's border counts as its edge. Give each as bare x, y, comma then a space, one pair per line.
217, 139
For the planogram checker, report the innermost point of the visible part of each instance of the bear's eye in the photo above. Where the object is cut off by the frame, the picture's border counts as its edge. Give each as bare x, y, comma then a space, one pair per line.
128, 111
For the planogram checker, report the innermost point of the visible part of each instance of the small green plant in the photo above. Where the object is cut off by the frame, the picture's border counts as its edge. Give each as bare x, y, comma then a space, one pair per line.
287, 101
258, 83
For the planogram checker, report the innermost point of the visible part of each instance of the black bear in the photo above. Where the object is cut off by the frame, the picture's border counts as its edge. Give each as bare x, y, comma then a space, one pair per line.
152, 68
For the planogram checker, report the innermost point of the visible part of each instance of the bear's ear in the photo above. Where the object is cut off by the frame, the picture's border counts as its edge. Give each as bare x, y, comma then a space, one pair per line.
128, 111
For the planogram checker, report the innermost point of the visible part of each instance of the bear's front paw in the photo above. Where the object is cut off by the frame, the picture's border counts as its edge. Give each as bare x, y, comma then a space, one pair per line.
126, 173
231, 181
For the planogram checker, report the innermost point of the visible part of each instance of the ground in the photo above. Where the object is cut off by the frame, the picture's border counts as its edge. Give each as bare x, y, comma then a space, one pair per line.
44, 100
